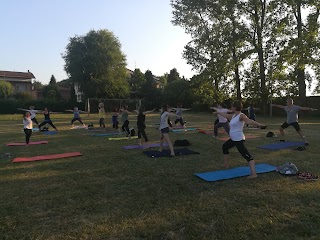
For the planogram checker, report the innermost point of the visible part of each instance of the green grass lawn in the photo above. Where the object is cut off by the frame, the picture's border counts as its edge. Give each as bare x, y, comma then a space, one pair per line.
110, 193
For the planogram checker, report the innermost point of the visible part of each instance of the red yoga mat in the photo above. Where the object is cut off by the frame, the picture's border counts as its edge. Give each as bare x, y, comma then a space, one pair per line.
47, 157
24, 144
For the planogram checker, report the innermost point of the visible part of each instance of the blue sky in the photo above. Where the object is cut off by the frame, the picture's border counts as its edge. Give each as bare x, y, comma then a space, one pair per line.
34, 33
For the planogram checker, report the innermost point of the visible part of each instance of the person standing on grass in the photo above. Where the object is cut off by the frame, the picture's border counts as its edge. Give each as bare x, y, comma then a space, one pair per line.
115, 122
32, 112
125, 120
47, 119
164, 128
237, 138
27, 126
292, 118
141, 124
222, 121
76, 116
101, 114
251, 112
179, 110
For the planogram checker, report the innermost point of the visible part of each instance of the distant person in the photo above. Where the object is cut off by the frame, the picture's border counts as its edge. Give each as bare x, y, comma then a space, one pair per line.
251, 112
47, 119
27, 126
141, 124
102, 114
115, 122
179, 110
76, 116
125, 120
33, 113
222, 121
292, 118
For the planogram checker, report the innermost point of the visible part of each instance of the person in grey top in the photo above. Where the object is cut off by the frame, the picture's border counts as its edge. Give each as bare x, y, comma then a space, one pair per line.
292, 118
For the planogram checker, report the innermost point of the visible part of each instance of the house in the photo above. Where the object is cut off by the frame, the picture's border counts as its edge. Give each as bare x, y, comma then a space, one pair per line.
21, 81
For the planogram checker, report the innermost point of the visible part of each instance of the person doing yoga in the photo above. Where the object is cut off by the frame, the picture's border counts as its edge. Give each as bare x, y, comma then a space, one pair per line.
292, 118
27, 126
237, 138
47, 119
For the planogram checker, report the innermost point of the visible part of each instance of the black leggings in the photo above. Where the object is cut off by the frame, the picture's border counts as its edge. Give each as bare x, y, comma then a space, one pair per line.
180, 120
35, 120
240, 146
28, 133
141, 131
76, 119
47, 122
125, 126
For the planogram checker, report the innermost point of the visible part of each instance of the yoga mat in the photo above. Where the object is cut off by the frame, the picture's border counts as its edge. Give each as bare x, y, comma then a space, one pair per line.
182, 130
24, 144
281, 145
47, 157
247, 137
33, 130
50, 132
234, 172
104, 134
206, 132
166, 153
152, 145
123, 138
79, 127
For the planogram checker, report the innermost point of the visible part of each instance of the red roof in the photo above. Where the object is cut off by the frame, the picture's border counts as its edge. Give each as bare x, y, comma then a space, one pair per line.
23, 75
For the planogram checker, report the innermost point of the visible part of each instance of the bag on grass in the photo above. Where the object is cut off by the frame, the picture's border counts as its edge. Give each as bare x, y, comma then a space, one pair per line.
183, 142
45, 129
288, 169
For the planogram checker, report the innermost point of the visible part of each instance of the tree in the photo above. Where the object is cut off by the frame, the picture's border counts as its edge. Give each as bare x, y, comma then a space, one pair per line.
173, 76
6, 89
136, 82
95, 61
178, 91
37, 85
152, 96
53, 81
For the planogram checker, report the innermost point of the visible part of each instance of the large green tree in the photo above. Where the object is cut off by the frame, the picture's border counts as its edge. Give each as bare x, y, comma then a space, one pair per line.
173, 76
51, 91
95, 62
136, 81
178, 91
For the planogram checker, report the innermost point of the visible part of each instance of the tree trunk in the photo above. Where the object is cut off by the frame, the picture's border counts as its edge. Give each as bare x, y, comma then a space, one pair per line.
236, 73
300, 68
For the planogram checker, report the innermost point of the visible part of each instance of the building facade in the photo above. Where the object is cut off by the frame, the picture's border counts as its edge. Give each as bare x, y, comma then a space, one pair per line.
21, 81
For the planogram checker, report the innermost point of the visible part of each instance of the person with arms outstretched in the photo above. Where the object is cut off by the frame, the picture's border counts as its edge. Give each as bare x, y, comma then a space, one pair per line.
292, 118
237, 138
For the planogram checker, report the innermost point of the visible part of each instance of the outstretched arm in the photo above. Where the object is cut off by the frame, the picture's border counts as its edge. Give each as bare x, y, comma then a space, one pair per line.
278, 106
226, 115
69, 110
146, 112
248, 121
308, 109
22, 109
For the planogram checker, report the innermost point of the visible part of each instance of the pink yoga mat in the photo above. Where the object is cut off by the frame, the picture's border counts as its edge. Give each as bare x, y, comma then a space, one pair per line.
24, 144
47, 157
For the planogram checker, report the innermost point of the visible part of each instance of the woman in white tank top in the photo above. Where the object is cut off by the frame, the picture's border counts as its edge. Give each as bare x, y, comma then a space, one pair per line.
237, 138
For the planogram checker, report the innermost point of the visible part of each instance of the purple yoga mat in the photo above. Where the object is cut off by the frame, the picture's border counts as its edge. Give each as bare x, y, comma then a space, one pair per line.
152, 145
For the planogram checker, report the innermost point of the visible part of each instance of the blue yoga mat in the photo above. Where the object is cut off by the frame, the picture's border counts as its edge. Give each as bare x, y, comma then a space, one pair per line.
234, 172
182, 130
281, 145
50, 132
104, 134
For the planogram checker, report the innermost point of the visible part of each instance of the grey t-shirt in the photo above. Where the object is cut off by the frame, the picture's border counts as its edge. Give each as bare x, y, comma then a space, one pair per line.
292, 113
179, 113
124, 116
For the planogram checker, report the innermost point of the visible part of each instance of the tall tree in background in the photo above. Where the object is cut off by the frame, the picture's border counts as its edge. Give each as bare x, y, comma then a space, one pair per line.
302, 49
53, 80
6, 89
152, 96
95, 62
51, 91
136, 82
173, 76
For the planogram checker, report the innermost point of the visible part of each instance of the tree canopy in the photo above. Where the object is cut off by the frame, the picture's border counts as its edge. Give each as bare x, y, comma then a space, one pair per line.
6, 89
95, 61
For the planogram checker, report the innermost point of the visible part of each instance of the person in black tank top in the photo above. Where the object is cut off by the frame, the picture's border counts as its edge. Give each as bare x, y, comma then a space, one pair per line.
141, 124
47, 119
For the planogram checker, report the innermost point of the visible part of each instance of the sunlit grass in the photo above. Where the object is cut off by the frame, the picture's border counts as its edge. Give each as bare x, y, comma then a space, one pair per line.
110, 193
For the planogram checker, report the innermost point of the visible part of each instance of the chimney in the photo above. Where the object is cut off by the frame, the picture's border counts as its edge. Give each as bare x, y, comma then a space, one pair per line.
28, 71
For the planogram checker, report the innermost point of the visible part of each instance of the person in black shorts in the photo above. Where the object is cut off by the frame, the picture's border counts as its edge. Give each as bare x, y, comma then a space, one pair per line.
292, 118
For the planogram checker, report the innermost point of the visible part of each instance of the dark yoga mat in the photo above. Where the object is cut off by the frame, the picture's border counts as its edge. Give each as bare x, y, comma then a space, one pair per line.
166, 153
281, 145
234, 172
151, 145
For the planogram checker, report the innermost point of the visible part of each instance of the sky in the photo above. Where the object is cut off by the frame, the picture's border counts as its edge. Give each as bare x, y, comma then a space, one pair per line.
34, 34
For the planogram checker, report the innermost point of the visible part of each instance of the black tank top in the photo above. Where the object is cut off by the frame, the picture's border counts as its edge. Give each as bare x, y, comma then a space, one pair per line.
141, 120
47, 116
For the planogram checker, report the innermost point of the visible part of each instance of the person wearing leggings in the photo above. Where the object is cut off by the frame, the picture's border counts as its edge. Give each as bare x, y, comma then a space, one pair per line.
47, 119
141, 124
237, 138
125, 120
27, 126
